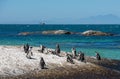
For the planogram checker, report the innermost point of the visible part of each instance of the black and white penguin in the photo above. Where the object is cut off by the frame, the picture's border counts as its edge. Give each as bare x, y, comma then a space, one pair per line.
42, 63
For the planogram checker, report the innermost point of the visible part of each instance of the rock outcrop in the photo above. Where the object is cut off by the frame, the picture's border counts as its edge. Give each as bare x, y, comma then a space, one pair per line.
60, 32
54, 32
28, 33
96, 33
24, 33
57, 32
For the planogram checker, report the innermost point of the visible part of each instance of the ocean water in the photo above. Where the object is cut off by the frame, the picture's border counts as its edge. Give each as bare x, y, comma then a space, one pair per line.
107, 46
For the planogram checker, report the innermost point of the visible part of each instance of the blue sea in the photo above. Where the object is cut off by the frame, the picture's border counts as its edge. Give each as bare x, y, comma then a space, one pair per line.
107, 46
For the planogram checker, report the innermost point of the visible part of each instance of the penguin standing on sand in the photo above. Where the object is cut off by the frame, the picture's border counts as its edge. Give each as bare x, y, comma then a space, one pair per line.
57, 49
42, 63
30, 53
81, 56
42, 48
98, 56
74, 52
69, 59
26, 48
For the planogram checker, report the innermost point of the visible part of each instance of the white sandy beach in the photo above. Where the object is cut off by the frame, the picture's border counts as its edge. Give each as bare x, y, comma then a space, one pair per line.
13, 60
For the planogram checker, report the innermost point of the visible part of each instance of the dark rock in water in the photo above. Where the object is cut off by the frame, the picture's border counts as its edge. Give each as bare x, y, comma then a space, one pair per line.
96, 33
24, 33
60, 32
29, 33
57, 32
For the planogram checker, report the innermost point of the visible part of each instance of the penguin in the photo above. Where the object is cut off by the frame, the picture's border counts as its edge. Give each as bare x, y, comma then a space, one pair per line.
57, 49
69, 59
42, 63
74, 52
98, 56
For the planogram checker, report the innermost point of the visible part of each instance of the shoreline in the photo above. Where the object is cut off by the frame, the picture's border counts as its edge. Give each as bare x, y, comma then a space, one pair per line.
14, 63
69, 51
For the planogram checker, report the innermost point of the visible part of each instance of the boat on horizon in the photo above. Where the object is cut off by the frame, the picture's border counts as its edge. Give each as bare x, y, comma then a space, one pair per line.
42, 23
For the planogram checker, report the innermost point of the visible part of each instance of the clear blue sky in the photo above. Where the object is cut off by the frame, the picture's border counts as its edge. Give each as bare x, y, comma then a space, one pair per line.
54, 11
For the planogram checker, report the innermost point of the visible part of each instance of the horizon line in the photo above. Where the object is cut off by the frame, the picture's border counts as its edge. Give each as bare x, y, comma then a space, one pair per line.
56, 24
